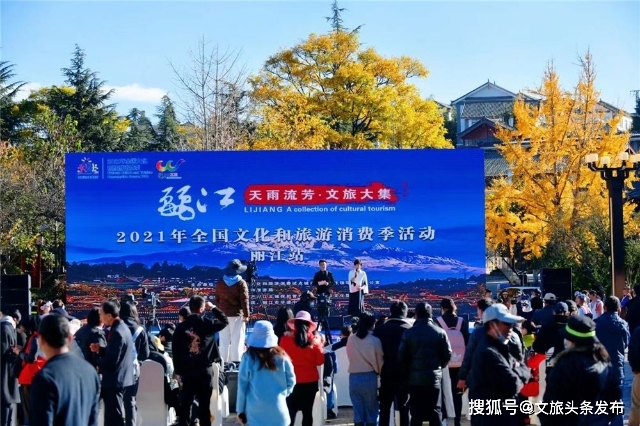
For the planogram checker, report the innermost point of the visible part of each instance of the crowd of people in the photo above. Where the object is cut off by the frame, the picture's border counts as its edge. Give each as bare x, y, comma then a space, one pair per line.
410, 360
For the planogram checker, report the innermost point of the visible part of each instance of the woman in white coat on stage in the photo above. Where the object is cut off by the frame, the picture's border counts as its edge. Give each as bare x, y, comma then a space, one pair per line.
358, 287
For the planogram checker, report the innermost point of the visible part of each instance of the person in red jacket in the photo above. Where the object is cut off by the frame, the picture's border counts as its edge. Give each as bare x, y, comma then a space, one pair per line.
306, 353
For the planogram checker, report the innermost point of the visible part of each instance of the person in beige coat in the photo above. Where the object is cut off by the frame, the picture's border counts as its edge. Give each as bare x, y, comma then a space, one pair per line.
364, 351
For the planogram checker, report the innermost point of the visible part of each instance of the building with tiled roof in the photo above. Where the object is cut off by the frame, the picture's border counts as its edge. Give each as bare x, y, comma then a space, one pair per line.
481, 112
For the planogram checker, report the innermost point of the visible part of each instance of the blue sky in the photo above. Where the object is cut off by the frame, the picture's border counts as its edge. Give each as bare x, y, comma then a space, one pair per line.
463, 44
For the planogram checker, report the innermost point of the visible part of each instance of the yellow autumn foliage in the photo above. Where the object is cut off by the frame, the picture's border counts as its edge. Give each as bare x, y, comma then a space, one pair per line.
329, 93
551, 192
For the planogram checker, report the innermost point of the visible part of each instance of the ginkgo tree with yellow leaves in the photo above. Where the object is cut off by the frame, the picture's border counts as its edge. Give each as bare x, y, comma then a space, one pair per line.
552, 204
328, 92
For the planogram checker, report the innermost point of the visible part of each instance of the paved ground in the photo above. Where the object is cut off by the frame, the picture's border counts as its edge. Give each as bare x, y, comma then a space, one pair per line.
345, 414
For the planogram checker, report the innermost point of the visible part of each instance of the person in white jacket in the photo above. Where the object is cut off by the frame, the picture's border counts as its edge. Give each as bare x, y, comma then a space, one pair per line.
358, 287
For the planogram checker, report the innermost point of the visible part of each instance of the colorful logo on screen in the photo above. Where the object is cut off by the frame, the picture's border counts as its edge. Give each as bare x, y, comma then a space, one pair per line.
88, 168
168, 170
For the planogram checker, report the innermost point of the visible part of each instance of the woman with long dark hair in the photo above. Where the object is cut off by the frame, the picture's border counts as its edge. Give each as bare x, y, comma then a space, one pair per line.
364, 351
265, 379
306, 353
283, 315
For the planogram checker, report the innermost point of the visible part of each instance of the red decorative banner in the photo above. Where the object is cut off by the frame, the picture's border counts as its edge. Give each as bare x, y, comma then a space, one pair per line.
304, 194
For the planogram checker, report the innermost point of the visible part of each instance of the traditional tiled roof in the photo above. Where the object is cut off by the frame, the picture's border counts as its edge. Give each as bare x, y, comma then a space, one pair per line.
482, 122
506, 92
494, 164
489, 109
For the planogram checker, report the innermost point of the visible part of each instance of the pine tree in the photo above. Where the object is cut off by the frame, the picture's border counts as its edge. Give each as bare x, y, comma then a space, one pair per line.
87, 105
141, 135
9, 121
168, 136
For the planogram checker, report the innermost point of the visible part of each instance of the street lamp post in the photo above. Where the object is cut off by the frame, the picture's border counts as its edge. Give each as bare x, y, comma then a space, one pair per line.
39, 242
615, 178
56, 251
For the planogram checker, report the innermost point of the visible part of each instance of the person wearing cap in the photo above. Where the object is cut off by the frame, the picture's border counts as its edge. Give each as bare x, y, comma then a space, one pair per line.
582, 375
495, 373
424, 353
613, 333
545, 315
265, 380
307, 354
232, 297
550, 336
67, 389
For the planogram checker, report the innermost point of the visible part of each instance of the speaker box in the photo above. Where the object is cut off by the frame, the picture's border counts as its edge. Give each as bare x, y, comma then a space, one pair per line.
15, 293
557, 281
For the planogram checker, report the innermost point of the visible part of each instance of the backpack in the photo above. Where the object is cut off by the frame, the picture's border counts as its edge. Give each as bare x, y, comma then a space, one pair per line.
136, 363
456, 339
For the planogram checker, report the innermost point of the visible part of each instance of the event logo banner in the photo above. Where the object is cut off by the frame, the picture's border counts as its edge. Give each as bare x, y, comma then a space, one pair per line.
172, 221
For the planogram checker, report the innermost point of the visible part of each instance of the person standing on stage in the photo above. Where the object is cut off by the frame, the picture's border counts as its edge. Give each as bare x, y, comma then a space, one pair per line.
358, 287
232, 297
323, 280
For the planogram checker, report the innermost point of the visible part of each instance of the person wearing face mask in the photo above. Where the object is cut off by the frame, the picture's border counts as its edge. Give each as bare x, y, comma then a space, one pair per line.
582, 374
495, 373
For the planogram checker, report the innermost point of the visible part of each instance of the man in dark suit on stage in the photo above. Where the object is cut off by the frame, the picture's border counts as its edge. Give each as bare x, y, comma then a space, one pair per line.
115, 363
323, 280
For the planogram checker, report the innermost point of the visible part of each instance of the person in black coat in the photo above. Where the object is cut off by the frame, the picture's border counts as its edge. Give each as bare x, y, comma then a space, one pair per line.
115, 363
129, 315
550, 335
393, 389
424, 351
323, 280
10, 394
542, 316
67, 389
89, 333
582, 374
194, 352
495, 373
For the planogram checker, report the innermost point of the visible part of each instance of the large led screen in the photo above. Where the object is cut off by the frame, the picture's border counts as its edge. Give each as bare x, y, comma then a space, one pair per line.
168, 223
